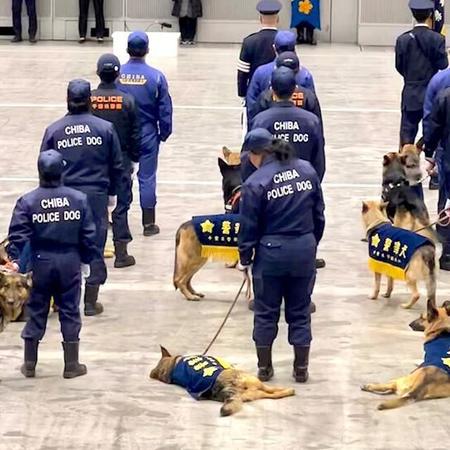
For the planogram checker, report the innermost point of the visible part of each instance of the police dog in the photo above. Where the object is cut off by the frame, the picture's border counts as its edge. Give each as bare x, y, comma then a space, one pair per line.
188, 250
232, 387
429, 381
422, 266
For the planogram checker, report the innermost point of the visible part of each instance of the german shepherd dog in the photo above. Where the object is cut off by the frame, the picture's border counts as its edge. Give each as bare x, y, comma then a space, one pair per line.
428, 381
188, 251
232, 387
422, 266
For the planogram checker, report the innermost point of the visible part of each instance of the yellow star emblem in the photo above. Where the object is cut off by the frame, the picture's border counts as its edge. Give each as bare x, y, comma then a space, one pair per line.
375, 240
207, 226
305, 6
209, 371
446, 361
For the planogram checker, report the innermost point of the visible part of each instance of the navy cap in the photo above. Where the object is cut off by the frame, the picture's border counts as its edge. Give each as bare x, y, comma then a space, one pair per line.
79, 90
50, 164
138, 40
283, 82
108, 63
257, 140
268, 7
289, 60
285, 41
421, 4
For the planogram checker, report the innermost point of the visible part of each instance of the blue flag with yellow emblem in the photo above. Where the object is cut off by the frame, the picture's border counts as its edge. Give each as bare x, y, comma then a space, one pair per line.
439, 16
306, 11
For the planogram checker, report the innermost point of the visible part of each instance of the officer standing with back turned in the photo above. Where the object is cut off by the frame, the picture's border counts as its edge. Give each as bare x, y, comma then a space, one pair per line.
112, 105
93, 165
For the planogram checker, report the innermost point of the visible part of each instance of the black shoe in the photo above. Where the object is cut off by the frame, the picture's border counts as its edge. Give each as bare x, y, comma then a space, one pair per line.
32, 40
265, 368
82, 40
28, 368
91, 305
16, 39
301, 364
72, 368
434, 183
320, 263
444, 262
251, 305
312, 308
148, 222
100, 40
123, 259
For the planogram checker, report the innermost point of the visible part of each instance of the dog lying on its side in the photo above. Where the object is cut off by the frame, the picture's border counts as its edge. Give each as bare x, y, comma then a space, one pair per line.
209, 378
432, 379
399, 254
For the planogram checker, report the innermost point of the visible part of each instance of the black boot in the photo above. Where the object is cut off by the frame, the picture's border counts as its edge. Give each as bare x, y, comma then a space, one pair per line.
301, 363
434, 183
444, 262
30, 358
16, 39
123, 259
91, 306
72, 368
320, 263
148, 222
265, 369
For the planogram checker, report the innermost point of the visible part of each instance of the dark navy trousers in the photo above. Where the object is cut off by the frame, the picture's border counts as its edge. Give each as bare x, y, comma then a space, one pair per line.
17, 17
120, 226
56, 274
409, 126
444, 195
148, 165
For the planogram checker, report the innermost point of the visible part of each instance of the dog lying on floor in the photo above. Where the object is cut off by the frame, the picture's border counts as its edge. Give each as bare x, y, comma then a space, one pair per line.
398, 253
207, 378
432, 379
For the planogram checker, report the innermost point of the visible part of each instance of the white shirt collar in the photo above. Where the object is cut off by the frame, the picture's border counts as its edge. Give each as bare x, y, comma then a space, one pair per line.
269, 28
421, 25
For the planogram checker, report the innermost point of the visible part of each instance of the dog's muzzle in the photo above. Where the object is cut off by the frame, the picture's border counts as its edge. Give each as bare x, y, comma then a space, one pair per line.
417, 325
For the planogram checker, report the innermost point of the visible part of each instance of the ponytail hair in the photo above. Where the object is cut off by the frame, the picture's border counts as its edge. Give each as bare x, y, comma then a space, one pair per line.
282, 150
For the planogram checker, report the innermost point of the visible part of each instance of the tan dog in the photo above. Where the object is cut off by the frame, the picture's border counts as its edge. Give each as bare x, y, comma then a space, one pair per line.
409, 157
231, 386
432, 379
421, 266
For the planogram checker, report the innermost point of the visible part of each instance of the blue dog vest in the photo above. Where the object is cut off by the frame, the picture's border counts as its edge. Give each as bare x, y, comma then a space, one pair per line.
391, 250
437, 353
197, 374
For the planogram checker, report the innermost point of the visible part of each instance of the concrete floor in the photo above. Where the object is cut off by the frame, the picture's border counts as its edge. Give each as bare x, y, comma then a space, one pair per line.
356, 340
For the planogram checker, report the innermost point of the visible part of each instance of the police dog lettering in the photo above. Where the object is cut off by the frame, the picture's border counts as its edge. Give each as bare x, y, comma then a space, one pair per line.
289, 188
432, 379
398, 254
208, 378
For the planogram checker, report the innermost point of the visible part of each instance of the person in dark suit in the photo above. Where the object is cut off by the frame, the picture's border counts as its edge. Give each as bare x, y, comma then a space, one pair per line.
419, 54
17, 20
188, 12
99, 20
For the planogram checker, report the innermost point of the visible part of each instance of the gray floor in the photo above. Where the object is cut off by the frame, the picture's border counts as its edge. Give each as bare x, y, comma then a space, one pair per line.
356, 340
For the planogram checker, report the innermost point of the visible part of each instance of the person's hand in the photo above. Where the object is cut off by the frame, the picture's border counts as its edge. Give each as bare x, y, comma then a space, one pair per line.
85, 270
12, 266
243, 102
244, 268
134, 170
430, 166
112, 204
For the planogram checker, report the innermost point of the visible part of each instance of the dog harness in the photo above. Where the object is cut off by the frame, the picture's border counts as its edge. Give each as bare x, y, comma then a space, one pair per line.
391, 250
437, 353
198, 374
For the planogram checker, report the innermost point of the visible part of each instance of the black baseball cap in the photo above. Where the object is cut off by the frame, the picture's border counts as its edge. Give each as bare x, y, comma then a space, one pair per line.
283, 82
108, 63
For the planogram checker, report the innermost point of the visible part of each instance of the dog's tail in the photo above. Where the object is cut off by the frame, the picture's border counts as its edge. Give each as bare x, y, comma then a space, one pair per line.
231, 406
175, 265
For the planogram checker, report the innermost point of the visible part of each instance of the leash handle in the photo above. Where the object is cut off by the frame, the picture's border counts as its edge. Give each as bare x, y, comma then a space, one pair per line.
226, 317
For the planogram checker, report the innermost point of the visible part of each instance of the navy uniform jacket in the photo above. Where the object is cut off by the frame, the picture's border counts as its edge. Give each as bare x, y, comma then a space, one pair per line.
119, 108
282, 217
300, 128
257, 49
91, 151
150, 90
419, 54
53, 219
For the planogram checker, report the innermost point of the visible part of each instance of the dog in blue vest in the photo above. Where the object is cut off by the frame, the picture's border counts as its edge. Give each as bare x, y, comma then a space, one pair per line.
208, 378
431, 379
398, 254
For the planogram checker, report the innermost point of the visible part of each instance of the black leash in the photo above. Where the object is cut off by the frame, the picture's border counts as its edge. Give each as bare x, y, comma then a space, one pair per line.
226, 317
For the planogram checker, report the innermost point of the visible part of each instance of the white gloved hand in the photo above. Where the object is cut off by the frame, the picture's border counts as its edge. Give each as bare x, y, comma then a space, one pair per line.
12, 266
112, 204
243, 268
134, 170
85, 270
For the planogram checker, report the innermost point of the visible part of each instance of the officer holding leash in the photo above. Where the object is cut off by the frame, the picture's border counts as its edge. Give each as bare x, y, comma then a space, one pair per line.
93, 165
57, 222
282, 222
118, 108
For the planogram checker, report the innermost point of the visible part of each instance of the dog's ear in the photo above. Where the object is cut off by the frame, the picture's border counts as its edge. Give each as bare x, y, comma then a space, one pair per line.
446, 306
432, 312
226, 152
365, 207
164, 352
28, 280
386, 160
223, 166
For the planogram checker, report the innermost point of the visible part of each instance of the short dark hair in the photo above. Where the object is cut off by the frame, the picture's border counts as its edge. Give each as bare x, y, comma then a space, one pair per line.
134, 53
108, 77
421, 15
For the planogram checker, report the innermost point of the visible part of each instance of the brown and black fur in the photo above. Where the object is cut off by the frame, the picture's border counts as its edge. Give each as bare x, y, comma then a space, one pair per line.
425, 383
422, 266
188, 250
233, 387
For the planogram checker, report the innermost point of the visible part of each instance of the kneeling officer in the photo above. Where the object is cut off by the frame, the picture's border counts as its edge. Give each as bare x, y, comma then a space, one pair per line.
57, 222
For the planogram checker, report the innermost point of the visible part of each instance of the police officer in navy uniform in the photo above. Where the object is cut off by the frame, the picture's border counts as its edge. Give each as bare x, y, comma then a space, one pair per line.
257, 48
419, 54
299, 127
282, 222
119, 108
150, 90
93, 165
57, 223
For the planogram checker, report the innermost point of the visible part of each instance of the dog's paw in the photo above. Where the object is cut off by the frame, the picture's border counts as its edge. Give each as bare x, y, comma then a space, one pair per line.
406, 305
381, 407
290, 392
387, 295
373, 297
193, 298
365, 387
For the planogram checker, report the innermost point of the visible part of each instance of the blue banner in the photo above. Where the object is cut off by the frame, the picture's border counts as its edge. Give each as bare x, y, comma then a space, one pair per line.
439, 16
307, 11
